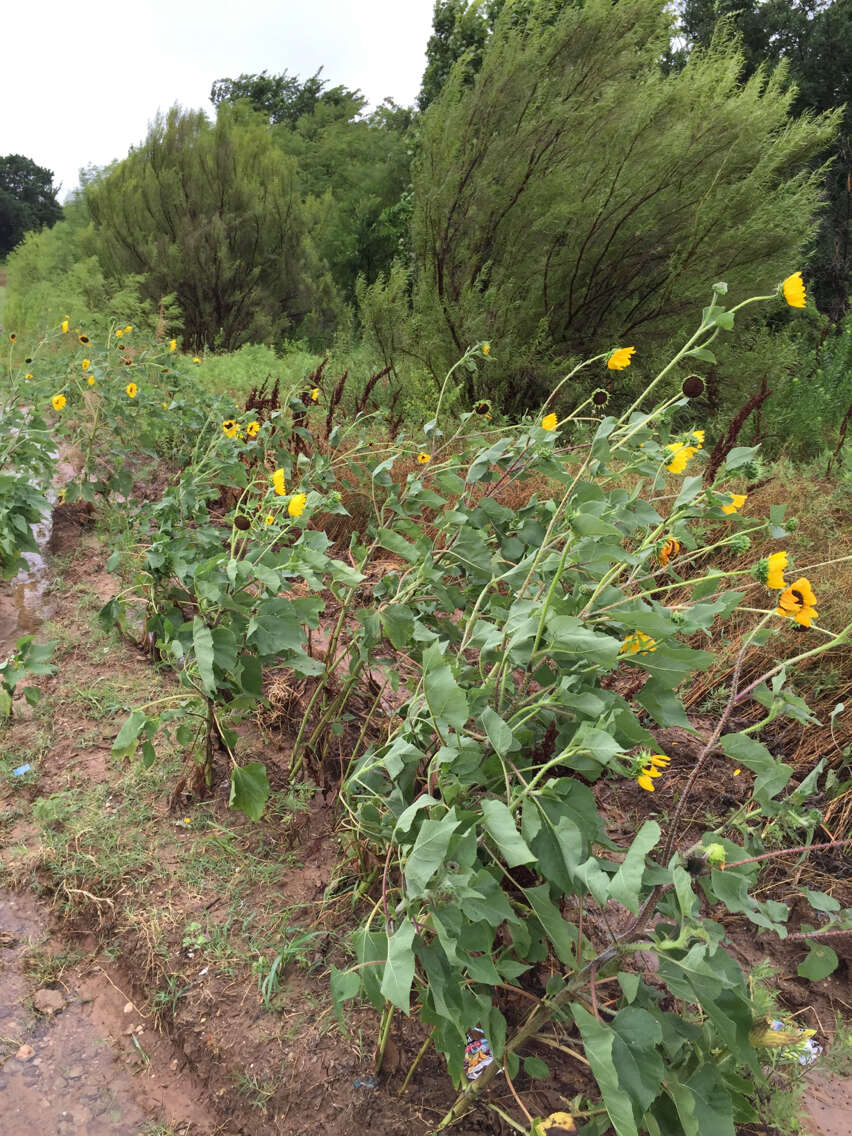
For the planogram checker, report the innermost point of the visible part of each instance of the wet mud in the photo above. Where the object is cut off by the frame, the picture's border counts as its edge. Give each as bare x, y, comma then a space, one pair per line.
76, 1056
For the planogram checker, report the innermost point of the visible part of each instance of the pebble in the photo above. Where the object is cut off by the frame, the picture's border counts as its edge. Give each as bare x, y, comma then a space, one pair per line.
48, 1001
25, 1053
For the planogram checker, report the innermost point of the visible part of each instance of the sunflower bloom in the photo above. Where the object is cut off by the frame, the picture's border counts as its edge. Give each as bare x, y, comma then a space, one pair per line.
486, 348
776, 565
230, 428
698, 436
64, 325
195, 359
12, 337
131, 390
737, 502
315, 394
620, 358
118, 333
84, 339
296, 504
278, 483
91, 380
793, 289
86, 364
269, 519
253, 429
637, 643
797, 602
549, 422
659, 760
128, 329
58, 401
28, 376
669, 549
172, 345
424, 458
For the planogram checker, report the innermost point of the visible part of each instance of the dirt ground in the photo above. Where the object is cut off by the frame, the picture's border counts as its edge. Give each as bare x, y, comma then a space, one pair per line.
220, 932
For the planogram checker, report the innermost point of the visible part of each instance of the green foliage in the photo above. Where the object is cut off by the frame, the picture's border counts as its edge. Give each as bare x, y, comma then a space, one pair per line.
567, 199
27, 200
28, 658
211, 213
284, 99
815, 38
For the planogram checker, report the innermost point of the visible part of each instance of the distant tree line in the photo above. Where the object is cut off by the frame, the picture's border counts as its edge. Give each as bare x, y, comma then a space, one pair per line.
572, 177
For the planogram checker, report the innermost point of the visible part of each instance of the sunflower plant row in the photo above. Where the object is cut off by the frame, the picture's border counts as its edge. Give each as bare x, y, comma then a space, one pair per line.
542, 644
511, 661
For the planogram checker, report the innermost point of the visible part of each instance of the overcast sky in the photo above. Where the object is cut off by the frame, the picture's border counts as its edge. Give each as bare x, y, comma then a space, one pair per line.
82, 80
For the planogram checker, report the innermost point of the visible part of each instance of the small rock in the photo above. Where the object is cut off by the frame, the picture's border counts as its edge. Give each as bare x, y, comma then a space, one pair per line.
47, 1001
173, 1064
75, 1073
25, 1053
128, 1007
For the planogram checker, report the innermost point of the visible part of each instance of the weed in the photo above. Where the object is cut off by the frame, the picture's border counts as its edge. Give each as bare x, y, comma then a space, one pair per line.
45, 967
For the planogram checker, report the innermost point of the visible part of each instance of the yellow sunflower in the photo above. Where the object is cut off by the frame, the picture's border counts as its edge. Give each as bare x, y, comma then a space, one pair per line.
278, 483
131, 390
549, 422
620, 358
58, 401
296, 504
797, 602
793, 289
737, 502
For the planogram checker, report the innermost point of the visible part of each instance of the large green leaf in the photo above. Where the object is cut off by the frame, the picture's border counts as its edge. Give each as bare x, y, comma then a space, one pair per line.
500, 825
446, 699
627, 881
428, 852
249, 789
128, 736
772, 775
563, 935
399, 968
819, 964
202, 641
598, 1040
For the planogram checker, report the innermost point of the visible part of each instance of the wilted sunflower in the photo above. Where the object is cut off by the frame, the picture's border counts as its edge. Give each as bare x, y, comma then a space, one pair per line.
670, 548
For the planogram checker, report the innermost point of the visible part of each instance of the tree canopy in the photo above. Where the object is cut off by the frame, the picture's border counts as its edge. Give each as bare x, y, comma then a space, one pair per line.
212, 213
572, 195
27, 200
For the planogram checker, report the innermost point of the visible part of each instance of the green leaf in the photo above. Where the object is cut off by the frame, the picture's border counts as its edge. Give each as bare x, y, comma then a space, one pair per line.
690, 489
446, 699
598, 1042
399, 968
249, 789
500, 825
712, 1102
398, 545
202, 641
772, 775
822, 902
663, 705
563, 935
627, 881
345, 985
128, 736
740, 456
536, 1068
703, 353
428, 852
499, 733
821, 962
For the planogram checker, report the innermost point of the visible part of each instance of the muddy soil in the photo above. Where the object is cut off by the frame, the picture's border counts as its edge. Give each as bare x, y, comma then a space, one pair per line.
76, 1056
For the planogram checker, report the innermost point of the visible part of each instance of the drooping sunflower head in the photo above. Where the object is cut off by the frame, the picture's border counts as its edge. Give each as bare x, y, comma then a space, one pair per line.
549, 422
793, 290
278, 483
620, 358
770, 571
693, 386
315, 393
669, 548
12, 337
296, 504
600, 397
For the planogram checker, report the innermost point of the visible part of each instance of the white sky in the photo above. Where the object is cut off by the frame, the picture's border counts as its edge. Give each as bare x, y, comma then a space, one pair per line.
83, 78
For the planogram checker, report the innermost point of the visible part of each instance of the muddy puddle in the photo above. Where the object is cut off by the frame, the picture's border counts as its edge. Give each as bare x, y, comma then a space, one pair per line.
77, 1058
